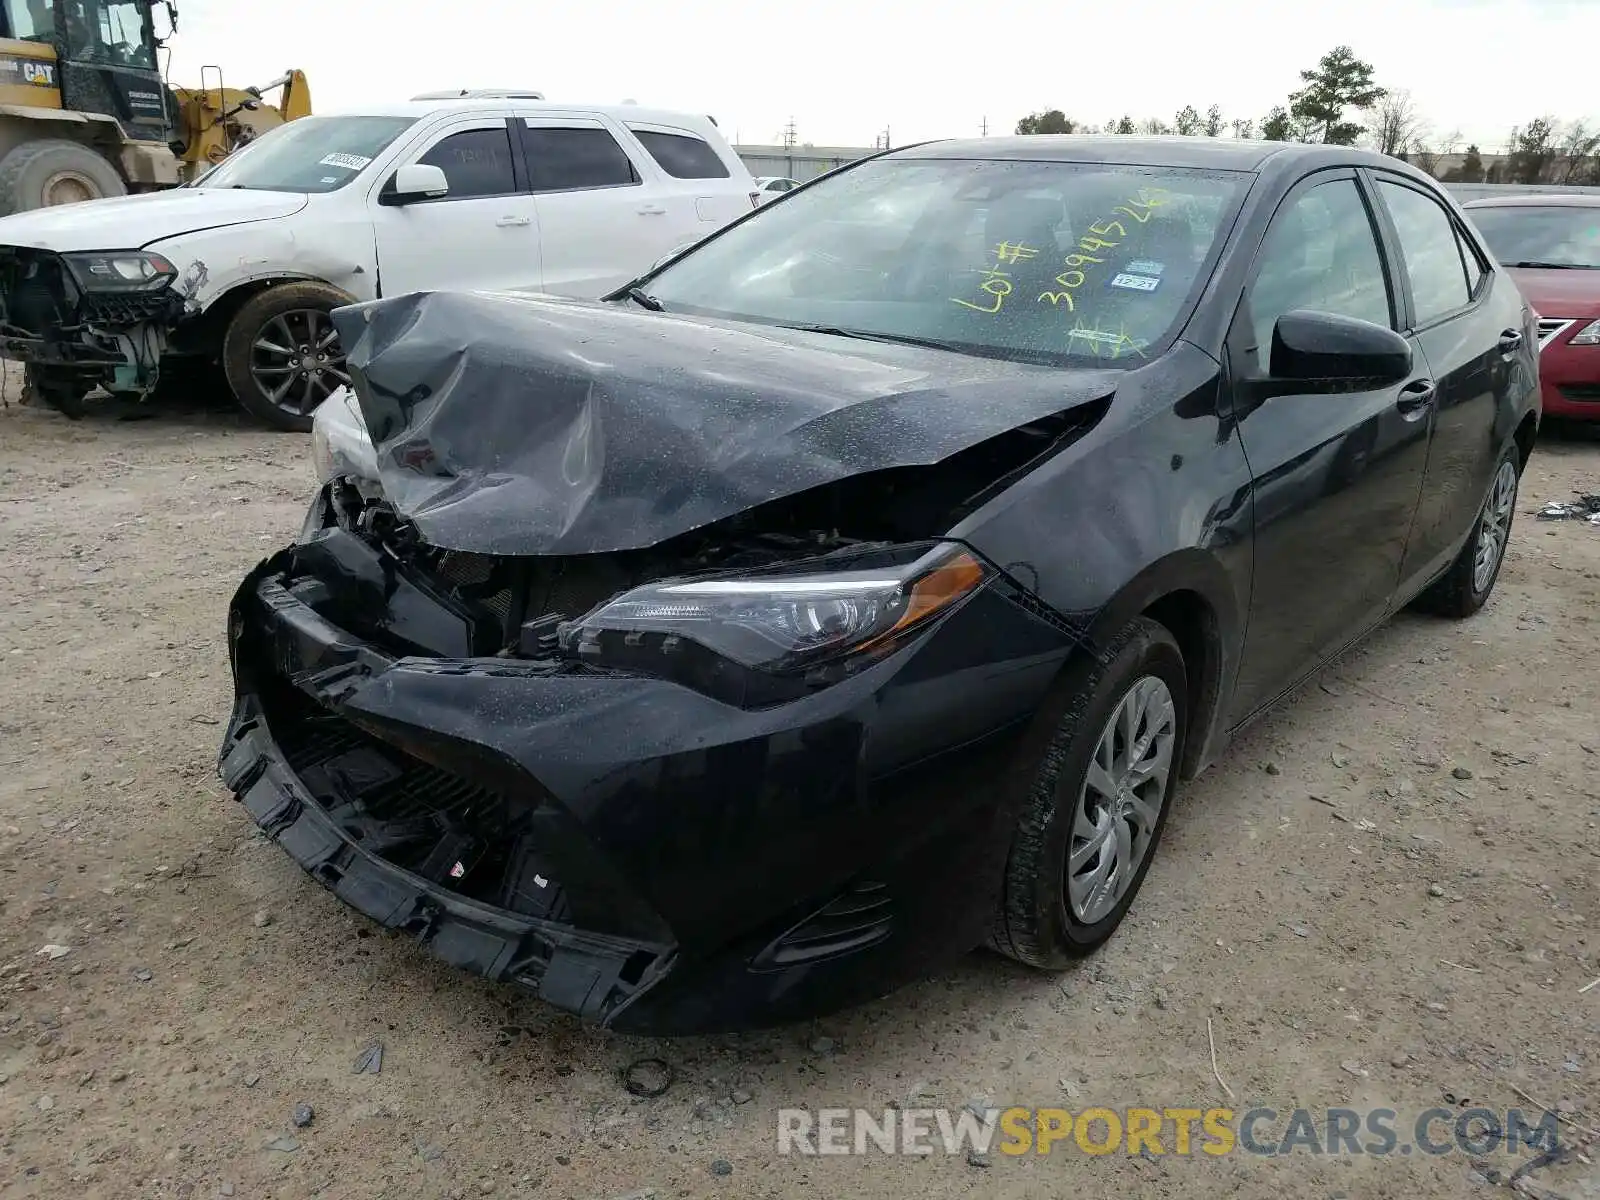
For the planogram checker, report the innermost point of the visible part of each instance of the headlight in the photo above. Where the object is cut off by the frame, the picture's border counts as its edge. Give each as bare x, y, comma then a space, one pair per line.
1589, 335
121, 270
340, 444
782, 621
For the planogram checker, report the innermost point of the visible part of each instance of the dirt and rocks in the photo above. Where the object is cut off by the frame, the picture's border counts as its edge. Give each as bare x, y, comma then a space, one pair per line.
1385, 896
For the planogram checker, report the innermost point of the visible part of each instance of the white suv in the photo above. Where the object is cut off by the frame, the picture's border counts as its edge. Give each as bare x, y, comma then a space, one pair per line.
240, 270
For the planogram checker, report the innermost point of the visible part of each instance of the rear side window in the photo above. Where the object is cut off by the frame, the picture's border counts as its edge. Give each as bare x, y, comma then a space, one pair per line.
1432, 251
475, 162
560, 159
682, 156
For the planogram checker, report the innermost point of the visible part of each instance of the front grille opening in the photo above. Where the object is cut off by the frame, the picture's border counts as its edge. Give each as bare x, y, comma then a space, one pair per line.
448, 830
1550, 328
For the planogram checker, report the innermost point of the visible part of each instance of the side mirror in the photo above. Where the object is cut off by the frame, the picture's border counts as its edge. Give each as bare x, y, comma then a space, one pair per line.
1325, 346
415, 181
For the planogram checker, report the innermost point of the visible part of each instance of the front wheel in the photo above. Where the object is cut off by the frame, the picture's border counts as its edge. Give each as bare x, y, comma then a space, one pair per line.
1093, 818
282, 354
1465, 587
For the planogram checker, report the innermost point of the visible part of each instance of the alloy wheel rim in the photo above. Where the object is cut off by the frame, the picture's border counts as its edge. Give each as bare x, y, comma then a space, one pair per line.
1494, 526
1120, 802
296, 360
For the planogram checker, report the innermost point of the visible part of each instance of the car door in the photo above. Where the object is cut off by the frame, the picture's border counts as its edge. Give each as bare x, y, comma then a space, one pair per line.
600, 224
483, 234
1336, 471
1468, 320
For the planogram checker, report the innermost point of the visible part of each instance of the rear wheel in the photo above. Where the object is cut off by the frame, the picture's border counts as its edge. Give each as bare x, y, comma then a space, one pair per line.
282, 354
1090, 826
54, 171
1465, 587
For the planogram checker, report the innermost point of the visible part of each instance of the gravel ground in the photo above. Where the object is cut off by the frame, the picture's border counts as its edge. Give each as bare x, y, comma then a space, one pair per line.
1418, 935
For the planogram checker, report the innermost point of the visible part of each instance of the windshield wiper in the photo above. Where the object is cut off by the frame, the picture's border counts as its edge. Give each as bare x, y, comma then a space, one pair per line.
1549, 266
643, 298
899, 339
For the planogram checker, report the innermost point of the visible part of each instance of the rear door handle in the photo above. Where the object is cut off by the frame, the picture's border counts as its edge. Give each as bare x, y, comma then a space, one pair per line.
1416, 396
651, 210
509, 222
1510, 341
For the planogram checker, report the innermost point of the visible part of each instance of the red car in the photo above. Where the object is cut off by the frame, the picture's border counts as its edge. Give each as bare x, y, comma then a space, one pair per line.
1551, 245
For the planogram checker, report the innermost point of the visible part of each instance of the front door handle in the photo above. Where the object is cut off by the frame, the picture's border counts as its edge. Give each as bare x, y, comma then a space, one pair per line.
1416, 397
651, 210
510, 222
1510, 341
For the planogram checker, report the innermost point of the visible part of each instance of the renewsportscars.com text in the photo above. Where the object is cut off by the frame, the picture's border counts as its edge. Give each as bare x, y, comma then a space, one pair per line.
1158, 1131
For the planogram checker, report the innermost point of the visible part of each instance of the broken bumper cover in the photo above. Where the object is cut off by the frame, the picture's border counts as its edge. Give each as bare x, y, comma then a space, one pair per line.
720, 867
563, 965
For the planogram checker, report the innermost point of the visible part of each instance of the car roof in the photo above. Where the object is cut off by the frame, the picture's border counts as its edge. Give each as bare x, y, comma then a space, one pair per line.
1221, 154
1538, 200
625, 113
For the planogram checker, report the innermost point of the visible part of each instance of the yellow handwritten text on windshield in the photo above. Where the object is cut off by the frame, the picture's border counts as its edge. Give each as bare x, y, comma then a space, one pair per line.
1097, 241
997, 283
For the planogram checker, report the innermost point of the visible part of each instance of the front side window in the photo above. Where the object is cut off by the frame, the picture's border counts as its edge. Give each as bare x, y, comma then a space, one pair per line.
313, 154
1033, 261
563, 158
475, 162
1553, 236
1432, 253
682, 156
1321, 254
30, 20
108, 31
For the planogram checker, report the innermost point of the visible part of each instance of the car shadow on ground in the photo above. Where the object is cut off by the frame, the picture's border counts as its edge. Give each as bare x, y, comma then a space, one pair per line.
200, 408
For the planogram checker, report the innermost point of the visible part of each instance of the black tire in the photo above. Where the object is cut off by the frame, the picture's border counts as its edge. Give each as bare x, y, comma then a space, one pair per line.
1460, 591
1035, 923
276, 311
35, 171
68, 399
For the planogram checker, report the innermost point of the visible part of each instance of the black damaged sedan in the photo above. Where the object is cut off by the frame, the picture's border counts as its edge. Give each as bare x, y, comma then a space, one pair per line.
857, 587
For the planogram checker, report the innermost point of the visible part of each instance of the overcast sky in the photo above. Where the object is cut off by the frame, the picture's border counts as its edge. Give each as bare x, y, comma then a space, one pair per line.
847, 69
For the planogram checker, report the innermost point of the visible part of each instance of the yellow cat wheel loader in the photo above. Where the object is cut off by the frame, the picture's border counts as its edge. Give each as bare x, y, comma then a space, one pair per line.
85, 112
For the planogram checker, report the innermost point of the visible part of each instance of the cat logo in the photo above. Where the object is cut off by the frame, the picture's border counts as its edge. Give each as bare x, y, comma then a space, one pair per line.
40, 74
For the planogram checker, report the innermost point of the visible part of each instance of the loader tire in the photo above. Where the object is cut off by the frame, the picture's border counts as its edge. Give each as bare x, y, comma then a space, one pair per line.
54, 171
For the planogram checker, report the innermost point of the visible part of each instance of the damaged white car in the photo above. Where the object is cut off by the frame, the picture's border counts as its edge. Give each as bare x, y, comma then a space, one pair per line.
235, 275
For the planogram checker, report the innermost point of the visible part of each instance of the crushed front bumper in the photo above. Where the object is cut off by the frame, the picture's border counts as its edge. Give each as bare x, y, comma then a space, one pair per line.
718, 867
565, 966
76, 338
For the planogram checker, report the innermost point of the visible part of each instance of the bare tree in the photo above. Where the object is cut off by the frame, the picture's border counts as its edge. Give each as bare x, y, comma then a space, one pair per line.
1154, 125
1244, 127
1578, 145
1422, 156
1398, 125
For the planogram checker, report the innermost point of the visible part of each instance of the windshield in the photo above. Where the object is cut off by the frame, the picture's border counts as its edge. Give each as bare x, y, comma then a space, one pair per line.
1033, 261
313, 154
1541, 235
113, 32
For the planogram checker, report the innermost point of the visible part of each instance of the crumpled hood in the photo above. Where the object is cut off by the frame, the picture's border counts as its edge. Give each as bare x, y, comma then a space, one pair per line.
532, 425
132, 222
